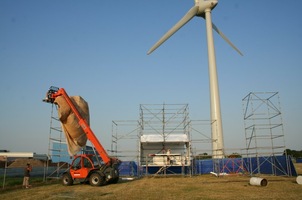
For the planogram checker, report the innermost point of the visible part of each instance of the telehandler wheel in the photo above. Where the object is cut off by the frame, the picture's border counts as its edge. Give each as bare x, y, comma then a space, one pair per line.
115, 180
96, 179
67, 179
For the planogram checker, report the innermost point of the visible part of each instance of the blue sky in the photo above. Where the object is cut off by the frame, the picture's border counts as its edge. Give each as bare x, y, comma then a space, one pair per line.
97, 49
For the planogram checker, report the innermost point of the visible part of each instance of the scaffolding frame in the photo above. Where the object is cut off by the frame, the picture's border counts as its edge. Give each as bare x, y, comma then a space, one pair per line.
124, 138
164, 120
165, 138
56, 145
167, 121
264, 132
161, 120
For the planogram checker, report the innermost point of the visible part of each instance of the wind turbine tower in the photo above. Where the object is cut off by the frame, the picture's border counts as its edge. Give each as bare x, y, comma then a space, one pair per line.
203, 8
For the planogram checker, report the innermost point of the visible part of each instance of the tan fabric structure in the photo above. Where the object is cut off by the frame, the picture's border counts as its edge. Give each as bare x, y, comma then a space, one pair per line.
75, 136
21, 163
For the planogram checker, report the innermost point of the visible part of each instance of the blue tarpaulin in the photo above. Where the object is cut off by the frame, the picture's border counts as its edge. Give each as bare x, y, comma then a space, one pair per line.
298, 160
128, 168
166, 170
276, 165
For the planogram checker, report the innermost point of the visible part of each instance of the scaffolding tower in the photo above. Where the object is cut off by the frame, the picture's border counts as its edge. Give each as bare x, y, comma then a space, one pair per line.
57, 146
164, 139
264, 133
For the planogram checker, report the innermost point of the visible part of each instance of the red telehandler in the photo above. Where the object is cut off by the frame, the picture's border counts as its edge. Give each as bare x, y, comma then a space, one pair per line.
83, 167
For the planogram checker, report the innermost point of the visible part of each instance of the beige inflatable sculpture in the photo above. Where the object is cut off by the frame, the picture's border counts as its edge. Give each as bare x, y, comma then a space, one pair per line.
75, 136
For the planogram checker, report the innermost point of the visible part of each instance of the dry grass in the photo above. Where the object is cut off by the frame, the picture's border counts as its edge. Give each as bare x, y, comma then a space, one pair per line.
197, 187
298, 167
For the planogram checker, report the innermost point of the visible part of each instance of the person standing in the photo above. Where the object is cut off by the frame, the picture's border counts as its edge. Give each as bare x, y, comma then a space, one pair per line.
168, 157
27, 171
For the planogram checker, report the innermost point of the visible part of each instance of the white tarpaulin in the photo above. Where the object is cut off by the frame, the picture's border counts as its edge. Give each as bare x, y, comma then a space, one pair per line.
168, 138
75, 136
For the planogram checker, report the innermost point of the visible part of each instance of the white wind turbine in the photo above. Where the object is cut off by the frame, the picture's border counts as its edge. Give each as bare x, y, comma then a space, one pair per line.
203, 8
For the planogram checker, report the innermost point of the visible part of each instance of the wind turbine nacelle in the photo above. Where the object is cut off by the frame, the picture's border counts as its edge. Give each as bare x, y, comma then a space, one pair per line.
205, 4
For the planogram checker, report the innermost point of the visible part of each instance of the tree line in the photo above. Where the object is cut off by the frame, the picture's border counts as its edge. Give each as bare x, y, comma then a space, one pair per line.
293, 153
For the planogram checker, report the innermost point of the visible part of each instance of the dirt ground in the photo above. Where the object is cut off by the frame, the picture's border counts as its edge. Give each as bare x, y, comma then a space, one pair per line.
196, 187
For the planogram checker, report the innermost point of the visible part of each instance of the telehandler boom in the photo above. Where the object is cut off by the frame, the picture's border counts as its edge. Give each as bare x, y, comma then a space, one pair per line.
83, 167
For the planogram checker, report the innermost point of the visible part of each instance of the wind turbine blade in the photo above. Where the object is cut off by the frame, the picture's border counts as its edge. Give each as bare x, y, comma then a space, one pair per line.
226, 39
188, 16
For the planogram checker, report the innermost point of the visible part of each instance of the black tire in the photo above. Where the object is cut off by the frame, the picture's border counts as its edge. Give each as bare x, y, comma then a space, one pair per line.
96, 179
115, 180
67, 179
117, 174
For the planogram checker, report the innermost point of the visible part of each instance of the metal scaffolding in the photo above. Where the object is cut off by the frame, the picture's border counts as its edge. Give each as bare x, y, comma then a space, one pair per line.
124, 145
201, 140
57, 147
159, 140
264, 133
124, 140
164, 134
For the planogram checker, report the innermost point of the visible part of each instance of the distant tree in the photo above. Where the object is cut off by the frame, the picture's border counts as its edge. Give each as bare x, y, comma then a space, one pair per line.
293, 153
235, 155
202, 156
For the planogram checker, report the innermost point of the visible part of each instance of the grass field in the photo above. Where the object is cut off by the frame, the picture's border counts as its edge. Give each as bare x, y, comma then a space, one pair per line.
196, 187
